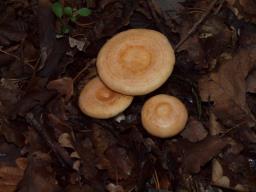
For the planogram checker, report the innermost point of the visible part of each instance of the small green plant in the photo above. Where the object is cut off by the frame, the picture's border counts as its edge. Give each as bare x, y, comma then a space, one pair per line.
69, 13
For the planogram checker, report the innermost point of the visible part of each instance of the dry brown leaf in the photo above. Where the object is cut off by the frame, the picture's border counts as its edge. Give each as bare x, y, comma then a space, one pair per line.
194, 131
39, 175
65, 140
10, 176
221, 180
243, 9
114, 188
251, 82
64, 86
217, 175
212, 39
86, 152
79, 44
120, 164
199, 154
226, 86
102, 139
214, 126
112, 158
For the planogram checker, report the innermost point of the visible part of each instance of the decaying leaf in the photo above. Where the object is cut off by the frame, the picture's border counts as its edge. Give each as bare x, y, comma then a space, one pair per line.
79, 44
65, 140
220, 179
120, 164
251, 82
199, 154
244, 9
39, 175
215, 126
112, 158
217, 175
64, 86
226, 87
114, 188
10, 176
194, 131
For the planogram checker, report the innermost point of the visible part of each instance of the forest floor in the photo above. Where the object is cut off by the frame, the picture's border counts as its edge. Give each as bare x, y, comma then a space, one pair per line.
47, 56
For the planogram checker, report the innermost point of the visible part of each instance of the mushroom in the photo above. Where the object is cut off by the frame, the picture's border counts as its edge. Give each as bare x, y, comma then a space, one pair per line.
136, 61
164, 116
98, 101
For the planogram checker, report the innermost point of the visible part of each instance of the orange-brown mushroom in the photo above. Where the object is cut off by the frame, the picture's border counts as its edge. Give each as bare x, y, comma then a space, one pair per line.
136, 61
98, 101
164, 116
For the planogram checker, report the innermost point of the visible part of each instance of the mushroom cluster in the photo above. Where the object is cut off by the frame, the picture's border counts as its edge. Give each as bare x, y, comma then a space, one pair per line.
132, 63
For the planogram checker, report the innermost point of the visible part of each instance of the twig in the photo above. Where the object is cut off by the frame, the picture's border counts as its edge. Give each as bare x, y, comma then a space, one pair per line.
60, 152
4, 52
152, 8
16, 57
195, 26
84, 69
219, 7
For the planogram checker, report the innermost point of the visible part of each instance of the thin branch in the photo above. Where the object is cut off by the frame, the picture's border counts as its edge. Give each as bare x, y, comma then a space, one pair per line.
196, 25
56, 148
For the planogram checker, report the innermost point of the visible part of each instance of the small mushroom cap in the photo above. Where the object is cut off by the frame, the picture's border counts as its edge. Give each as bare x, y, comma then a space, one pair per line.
136, 61
164, 116
98, 101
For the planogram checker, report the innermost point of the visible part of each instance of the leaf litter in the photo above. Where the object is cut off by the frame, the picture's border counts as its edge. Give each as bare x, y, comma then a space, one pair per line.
47, 144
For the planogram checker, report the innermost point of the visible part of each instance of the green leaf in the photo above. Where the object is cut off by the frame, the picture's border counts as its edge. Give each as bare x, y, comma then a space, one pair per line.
84, 12
68, 11
65, 29
57, 9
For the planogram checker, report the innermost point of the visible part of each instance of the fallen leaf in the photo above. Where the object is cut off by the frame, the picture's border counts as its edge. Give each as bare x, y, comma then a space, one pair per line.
64, 86
251, 82
114, 188
226, 86
170, 9
65, 140
199, 154
79, 44
102, 139
39, 175
215, 126
120, 164
87, 154
243, 9
225, 177
217, 174
194, 131
113, 18
10, 176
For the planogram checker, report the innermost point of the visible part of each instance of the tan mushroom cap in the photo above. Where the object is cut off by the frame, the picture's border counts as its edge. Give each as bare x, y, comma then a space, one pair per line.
136, 61
98, 101
164, 116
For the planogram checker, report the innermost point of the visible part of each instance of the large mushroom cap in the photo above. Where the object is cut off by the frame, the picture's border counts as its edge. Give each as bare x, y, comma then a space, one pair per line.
98, 101
164, 116
136, 61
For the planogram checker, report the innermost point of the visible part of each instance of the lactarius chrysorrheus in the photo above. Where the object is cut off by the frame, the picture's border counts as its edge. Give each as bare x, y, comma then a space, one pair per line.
164, 116
136, 61
98, 101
